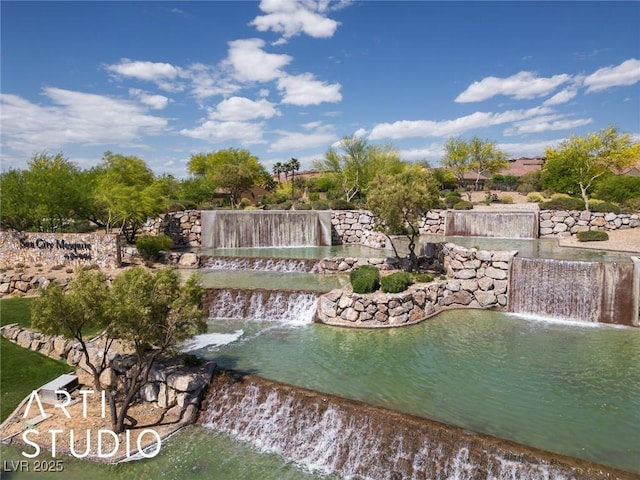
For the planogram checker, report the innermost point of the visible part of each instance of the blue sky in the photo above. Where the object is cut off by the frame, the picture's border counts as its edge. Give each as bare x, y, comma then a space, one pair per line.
164, 80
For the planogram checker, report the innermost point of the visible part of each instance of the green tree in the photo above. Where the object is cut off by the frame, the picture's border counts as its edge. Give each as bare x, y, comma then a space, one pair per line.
15, 201
236, 179
400, 202
46, 197
209, 167
150, 312
580, 161
278, 169
358, 164
618, 188
127, 194
476, 155
292, 166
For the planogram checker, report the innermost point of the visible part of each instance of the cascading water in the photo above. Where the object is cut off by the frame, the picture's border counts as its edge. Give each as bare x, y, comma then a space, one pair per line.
574, 290
260, 263
334, 435
287, 307
492, 224
257, 228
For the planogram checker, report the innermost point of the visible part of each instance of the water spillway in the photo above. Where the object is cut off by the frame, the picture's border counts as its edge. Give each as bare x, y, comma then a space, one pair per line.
355, 440
260, 228
259, 263
574, 290
292, 307
491, 224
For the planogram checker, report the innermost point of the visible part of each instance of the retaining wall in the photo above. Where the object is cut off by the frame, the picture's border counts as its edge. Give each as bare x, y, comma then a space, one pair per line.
477, 279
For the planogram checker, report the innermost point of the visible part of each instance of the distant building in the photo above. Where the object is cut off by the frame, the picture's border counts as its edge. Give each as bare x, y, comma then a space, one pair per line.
517, 168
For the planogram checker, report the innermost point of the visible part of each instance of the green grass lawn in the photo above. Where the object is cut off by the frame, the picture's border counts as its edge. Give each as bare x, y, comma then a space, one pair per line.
16, 310
21, 370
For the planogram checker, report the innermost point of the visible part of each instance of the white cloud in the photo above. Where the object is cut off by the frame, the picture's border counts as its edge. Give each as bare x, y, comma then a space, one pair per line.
528, 149
293, 17
305, 90
157, 102
289, 141
241, 109
251, 63
74, 118
546, 123
207, 81
430, 128
163, 75
627, 73
522, 85
563, 96
432, 153
214, 131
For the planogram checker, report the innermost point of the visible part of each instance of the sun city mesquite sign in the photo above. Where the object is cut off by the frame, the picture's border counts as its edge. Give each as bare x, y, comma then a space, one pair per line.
30, 436
51, 249
81, 250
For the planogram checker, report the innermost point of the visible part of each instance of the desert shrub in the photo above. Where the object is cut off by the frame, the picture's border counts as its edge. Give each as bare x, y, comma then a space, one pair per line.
245, 202
592, 236
149, 246
314, 196
423, 277
618, 188
276, 197
563, 203
191, 360
555, 196
320, 205
396, 282
535, 197
365, 279
463, 205
452, 198
303, 206
505, 199
342, 204
603, 207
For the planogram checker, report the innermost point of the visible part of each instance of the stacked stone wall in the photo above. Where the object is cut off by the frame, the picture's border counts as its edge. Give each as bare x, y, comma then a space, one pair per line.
564, 223
476, 279
183, 227
169, 385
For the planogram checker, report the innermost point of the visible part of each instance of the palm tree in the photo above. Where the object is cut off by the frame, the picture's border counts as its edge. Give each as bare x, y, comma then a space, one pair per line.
278, 168
292, 166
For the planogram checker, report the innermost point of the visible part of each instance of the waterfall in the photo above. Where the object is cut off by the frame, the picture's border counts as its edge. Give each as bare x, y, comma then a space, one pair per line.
270, 228
329, 434
259, 263
291, 307
574, 290
492, 224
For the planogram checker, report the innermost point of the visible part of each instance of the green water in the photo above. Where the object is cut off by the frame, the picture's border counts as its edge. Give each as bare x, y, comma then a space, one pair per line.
540, 248
194, 453
270, 280
566, 388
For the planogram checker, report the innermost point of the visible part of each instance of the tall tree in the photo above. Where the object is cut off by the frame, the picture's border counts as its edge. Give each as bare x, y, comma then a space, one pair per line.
47, 196
475, 155
358, 164
278, 169
210, 168
127, 193
581, 160
292, 166
400, 202
150, 312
